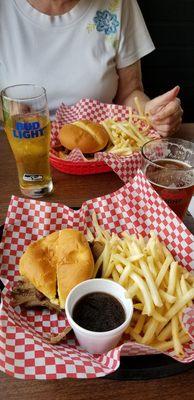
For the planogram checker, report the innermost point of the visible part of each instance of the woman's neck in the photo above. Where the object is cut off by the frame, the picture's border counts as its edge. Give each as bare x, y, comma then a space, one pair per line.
53, 7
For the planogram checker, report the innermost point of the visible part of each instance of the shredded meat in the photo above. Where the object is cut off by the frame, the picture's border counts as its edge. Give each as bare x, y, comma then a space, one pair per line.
58, 338
25, 294
96, 248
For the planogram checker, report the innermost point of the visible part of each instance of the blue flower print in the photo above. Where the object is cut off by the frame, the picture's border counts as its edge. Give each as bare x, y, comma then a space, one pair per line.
106, 22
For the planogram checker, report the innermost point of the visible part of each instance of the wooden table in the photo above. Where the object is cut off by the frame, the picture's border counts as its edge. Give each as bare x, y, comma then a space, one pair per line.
72, 191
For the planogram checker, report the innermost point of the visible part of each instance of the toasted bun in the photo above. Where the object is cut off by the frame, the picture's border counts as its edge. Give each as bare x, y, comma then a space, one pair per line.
57, 262
88, 136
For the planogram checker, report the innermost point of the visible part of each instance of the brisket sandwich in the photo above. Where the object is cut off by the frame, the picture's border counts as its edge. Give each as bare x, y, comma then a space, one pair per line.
51, 267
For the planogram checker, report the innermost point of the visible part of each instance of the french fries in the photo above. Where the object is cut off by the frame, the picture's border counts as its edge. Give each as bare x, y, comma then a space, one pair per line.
159, 286
127, 136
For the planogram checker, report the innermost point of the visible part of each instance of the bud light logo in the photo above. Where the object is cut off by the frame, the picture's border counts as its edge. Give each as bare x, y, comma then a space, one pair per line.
28, 130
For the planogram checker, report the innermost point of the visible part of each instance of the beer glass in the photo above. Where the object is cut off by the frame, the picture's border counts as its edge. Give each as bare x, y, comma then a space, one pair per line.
27, 125
169, 166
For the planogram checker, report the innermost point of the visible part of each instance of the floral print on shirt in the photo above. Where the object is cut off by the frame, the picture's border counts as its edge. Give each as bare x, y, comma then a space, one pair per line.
106, 21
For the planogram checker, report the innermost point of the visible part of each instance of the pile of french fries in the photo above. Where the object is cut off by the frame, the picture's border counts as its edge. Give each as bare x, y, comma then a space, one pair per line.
127, 136
159, 286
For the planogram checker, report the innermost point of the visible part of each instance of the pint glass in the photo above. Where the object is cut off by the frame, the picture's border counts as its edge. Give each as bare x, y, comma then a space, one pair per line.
169, 166
27, 125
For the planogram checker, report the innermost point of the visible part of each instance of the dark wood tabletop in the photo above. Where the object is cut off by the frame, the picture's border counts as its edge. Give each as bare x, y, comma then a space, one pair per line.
73, 191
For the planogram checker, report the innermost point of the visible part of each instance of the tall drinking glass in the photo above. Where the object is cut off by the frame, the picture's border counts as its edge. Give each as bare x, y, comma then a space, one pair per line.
169, 166
27, 125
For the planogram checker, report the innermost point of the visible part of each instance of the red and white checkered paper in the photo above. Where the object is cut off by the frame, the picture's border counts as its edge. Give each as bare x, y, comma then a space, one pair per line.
24, 351
188, 321
93, 110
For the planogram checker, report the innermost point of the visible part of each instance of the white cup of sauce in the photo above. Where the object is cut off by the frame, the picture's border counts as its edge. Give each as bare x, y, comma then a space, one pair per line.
98, 342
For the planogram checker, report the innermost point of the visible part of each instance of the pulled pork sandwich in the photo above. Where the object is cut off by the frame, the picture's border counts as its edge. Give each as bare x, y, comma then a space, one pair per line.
85, 135
51, 267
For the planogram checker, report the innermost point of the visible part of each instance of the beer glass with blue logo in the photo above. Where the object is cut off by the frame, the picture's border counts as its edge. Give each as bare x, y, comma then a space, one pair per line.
27, 125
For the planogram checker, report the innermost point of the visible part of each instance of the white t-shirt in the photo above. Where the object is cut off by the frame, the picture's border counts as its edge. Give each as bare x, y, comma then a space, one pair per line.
75, 55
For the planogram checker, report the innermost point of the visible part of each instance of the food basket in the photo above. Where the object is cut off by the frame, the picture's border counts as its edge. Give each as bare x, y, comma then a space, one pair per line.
76, 163
24, 349
78, 167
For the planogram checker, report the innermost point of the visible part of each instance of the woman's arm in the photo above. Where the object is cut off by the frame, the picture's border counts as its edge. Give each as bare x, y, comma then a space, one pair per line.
165, 111
130, 86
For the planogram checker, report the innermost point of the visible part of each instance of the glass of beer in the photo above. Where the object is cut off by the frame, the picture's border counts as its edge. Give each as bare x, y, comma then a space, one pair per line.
27, 125
169, 166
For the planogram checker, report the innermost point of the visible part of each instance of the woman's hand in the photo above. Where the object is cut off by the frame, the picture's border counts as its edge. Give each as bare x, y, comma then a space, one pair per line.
165, 112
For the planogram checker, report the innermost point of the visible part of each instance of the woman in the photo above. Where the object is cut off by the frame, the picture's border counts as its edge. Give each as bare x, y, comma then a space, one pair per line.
82, 49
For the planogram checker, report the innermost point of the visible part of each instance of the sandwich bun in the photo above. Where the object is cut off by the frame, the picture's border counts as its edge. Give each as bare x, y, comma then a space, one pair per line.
85, 135
56, 263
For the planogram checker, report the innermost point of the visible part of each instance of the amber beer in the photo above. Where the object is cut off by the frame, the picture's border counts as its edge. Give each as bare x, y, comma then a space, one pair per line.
176, 194
172, 177
28, 133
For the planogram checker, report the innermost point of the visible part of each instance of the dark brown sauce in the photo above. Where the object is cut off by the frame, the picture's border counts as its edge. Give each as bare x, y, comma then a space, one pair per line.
98, 312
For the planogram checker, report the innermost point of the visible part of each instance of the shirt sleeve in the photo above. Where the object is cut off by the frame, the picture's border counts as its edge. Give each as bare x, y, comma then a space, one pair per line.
135, 41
